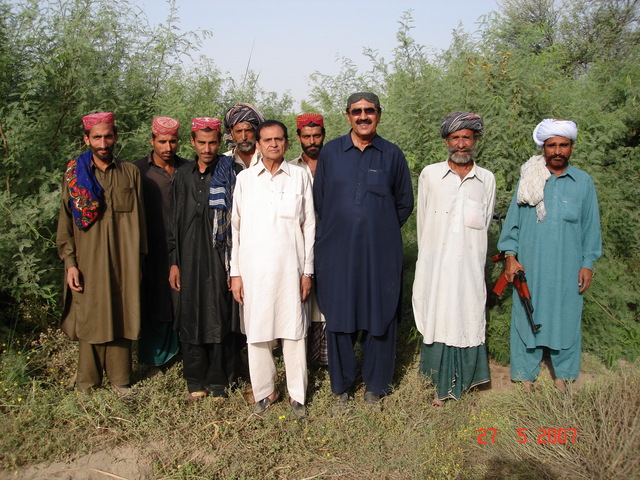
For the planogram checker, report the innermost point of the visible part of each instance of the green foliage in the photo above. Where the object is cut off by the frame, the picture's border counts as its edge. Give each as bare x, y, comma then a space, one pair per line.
577, 59
536, 59
61, 60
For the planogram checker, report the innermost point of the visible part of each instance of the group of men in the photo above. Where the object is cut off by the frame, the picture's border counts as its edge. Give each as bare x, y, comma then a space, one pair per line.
202, 257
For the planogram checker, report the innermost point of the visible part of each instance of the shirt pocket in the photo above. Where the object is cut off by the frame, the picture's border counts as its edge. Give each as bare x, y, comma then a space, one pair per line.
123, 199
474, 214
570, 211
378, 182
288, 205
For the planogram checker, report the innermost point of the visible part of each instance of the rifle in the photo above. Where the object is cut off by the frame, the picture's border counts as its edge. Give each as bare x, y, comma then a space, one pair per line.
520, 284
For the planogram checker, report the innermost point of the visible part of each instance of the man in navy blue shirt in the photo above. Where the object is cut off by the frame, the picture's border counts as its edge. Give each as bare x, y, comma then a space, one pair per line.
362, 195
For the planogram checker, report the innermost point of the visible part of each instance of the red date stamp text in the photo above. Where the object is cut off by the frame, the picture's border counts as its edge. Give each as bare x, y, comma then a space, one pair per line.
542, 436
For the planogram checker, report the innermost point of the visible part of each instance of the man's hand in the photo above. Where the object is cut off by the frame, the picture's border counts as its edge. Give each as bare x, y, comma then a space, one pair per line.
74, 279
584, 279
237, 288
174, 277
512, 266
305, 287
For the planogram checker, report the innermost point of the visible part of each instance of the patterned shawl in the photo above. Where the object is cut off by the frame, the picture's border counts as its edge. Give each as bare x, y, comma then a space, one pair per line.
84, 189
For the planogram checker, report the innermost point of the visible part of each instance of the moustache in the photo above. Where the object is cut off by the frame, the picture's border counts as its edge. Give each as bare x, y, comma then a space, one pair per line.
365, 121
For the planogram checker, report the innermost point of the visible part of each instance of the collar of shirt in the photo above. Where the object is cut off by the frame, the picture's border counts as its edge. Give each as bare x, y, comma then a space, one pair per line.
177, 161
260, 168
347, 142
297, 161
255, 158
196, 169
569, 172
472, 173
114, 164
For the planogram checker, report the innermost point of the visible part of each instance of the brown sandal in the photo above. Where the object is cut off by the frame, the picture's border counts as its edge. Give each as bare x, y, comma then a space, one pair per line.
193, 397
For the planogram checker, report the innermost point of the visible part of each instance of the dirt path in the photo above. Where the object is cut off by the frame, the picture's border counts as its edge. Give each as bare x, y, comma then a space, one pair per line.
122, 463
501, 380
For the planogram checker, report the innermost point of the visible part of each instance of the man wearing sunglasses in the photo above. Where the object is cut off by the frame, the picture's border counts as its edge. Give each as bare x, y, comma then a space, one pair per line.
363, 195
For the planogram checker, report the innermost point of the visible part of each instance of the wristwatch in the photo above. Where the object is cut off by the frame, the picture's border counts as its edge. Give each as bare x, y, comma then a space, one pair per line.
309, 275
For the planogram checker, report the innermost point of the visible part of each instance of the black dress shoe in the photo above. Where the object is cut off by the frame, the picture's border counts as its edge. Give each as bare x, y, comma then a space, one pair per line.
371, 398
341, 400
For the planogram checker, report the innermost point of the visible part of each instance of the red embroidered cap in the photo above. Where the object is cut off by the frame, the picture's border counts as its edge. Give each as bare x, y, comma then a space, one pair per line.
92, 119
165, 126
204, 122
307, 118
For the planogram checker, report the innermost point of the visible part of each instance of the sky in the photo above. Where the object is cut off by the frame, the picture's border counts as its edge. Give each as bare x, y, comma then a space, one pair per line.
284, 41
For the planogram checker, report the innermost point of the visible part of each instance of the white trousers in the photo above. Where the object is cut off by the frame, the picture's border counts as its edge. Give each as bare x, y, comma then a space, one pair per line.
262, 368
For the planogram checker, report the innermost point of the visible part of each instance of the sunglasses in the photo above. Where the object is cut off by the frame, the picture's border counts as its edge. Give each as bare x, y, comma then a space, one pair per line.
356, 112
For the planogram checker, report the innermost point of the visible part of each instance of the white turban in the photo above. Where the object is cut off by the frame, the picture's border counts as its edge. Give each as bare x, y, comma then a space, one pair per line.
550, 127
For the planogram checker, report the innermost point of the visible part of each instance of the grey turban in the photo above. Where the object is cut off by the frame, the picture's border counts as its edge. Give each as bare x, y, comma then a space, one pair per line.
550, 127
459, 121
242, 112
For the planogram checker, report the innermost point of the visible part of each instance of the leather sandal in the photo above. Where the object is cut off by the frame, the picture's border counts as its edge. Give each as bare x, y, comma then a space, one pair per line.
261, 406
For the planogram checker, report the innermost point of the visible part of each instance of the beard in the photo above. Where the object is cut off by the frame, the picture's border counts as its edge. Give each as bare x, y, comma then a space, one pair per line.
245, 146
312, 151
461, 158
106, 155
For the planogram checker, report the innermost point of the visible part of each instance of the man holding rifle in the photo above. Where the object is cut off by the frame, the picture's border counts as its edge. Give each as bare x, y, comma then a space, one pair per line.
552, 230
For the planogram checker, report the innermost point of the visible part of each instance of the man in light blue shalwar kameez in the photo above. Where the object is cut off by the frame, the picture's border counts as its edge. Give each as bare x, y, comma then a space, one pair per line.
552, 231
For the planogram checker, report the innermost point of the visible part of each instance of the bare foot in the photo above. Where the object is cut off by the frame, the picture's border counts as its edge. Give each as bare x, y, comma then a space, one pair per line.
560, 385
527, 386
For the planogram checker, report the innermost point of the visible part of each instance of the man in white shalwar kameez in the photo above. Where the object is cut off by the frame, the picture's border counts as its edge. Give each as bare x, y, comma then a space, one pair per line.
273, 224
455, 206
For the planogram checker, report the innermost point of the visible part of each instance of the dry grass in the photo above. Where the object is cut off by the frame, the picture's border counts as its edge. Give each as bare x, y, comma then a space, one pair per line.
44, 421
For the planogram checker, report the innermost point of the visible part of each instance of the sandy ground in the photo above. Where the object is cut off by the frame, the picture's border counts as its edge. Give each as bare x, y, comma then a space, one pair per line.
125, 463
501, 381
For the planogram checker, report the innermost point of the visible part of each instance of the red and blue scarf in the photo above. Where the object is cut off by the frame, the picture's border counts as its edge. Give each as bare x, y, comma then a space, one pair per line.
84, 189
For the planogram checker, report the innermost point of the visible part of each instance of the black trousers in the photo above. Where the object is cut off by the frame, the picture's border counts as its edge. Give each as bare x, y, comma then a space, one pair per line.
210, 366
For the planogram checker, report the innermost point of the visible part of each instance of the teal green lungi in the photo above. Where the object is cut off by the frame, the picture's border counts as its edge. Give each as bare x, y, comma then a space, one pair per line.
454, 370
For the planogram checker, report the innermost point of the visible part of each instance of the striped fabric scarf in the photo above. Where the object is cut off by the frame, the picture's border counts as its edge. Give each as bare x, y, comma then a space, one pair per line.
223, 181
85, 191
